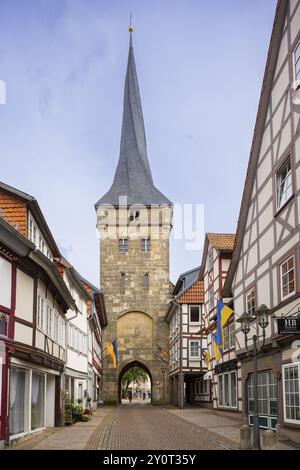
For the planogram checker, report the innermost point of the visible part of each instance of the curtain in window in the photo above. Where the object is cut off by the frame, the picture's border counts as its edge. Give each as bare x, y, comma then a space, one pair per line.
37, 400
17, 403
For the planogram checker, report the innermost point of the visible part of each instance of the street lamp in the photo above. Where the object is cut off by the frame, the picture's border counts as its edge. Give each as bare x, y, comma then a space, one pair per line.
261, 315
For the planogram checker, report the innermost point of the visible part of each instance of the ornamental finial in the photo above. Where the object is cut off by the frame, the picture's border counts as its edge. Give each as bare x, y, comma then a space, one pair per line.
130, 29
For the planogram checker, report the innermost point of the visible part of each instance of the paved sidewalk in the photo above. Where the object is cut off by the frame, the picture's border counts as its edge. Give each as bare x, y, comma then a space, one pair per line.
72, 437
217, 425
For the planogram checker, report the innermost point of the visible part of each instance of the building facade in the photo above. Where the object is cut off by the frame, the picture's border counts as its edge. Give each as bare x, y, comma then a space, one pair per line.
42, 300
32, 337
225, 373
134, 222
185, 341
265, 267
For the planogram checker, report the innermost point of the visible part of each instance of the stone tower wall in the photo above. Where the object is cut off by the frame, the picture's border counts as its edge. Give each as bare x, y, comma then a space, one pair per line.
135, 313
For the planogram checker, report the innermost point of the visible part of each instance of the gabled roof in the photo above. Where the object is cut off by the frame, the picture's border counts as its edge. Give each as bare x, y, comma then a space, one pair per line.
186, 279
133, 177
223, 242
257, 138
194, 294
24, 248
37, 214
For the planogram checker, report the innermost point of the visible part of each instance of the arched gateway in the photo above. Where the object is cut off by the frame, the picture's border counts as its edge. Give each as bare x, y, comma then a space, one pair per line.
127, 367
134, 222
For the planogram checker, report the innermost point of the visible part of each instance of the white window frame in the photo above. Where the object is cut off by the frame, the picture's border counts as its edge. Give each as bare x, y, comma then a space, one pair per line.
286, 366
41, 304
6, 282
210, 259
194, 358
229, 331
283, 297
288, 191
211, 299
49, 320
250, 297
221, 376
190, 315
27, 402
296, 81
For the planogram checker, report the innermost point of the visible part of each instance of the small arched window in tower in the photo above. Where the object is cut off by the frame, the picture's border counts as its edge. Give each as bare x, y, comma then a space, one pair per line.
122, 280
145, 245
146, 281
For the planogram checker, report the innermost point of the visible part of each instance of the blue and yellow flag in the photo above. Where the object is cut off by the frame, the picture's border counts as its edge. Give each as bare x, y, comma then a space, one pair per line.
113, 352
223, 314
217, 352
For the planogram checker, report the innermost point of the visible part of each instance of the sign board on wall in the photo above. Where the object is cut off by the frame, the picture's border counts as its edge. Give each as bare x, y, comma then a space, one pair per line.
287, 326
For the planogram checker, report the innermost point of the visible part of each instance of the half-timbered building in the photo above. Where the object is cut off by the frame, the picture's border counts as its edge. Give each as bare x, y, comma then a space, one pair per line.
97, 321
223, 374
184, 316
265, 266
45, 310
33, 301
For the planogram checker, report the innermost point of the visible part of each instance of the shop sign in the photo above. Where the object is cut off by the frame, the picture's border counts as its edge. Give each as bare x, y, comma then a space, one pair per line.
287, 326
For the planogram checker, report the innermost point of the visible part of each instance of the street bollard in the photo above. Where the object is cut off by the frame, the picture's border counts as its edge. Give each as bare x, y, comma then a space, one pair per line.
245, 437
269, 440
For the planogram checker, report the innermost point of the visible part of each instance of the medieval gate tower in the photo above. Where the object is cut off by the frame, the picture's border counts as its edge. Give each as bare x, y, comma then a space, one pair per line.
134, 221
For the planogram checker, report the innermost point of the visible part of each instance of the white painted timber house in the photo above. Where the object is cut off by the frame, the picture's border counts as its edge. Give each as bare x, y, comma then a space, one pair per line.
185, 343
265, 266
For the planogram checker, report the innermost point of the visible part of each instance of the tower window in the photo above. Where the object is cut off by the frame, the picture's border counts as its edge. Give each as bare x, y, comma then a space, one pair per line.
123, 245
145, 245
122, 280
146, 281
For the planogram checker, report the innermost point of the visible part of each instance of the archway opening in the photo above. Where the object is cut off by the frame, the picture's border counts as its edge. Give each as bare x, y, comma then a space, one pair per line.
135, 384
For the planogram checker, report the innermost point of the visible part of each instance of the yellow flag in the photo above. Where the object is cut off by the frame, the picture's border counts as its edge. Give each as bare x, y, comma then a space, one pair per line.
216, 349
207, 359
111, 352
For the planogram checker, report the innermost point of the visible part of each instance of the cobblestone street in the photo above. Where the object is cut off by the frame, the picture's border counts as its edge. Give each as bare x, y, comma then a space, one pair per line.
149, 428
140, 426
128, 427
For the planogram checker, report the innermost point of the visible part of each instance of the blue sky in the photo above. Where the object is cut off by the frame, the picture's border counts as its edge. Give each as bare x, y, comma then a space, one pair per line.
200, 66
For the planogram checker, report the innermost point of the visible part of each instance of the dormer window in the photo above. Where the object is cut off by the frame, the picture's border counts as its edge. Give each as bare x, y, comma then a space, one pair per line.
134, 215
